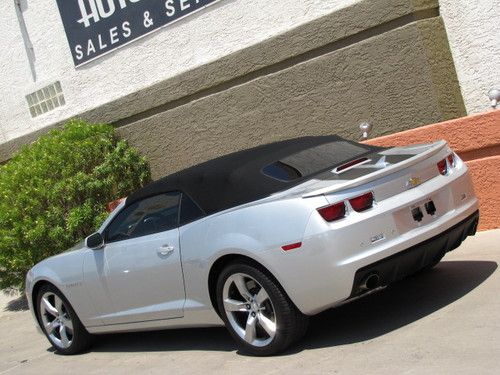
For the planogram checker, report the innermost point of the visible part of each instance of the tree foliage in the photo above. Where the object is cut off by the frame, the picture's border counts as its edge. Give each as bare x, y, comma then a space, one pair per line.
53, 193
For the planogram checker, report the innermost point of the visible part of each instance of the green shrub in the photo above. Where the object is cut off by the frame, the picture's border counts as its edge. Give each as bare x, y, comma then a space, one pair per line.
53, 193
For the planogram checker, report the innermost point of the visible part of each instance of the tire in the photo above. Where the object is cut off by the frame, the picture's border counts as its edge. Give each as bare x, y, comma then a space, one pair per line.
59, 322
256, 310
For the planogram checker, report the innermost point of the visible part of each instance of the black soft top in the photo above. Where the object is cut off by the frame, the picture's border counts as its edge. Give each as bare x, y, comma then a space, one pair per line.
253, 174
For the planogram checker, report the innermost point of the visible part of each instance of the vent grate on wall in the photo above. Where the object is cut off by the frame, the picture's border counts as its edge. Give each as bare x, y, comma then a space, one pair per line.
46, 99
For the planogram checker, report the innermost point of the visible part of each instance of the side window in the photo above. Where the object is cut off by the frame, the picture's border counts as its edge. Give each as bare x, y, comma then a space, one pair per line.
190, 211
148, 216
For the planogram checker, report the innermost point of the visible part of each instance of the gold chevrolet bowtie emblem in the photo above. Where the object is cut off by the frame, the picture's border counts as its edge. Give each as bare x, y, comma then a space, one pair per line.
413, 182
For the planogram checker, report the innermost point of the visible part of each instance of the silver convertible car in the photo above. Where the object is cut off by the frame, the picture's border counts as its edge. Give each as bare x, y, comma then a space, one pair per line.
258, 240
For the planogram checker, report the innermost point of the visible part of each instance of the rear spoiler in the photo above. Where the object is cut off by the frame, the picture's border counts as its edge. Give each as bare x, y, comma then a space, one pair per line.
431, 151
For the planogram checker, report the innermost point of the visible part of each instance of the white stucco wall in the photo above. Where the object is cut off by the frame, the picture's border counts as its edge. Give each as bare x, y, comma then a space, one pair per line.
473, 28
221, 29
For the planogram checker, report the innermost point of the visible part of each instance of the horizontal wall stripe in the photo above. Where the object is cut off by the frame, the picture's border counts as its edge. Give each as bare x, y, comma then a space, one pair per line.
283, 65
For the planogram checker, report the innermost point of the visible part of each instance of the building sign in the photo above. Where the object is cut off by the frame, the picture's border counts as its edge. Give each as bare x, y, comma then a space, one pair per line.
96, 27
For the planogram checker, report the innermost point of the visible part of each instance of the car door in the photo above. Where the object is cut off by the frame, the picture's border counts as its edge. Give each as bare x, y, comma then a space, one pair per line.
137, 275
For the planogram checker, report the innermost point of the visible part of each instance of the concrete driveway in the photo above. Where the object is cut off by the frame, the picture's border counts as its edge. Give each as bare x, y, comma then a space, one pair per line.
446, 321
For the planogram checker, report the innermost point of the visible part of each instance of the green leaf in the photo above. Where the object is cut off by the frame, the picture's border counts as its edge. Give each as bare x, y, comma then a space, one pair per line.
54, 192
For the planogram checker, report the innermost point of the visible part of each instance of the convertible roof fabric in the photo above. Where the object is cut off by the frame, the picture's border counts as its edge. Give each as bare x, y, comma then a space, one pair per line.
237, 178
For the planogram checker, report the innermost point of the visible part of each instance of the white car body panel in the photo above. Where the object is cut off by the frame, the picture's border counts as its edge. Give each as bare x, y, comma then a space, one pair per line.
174, 292
126, 268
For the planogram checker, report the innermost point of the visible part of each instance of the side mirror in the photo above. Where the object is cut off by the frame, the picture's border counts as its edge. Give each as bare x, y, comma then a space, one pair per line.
94, 241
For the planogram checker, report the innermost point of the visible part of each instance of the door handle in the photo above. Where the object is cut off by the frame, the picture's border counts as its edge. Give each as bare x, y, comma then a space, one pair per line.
166, 250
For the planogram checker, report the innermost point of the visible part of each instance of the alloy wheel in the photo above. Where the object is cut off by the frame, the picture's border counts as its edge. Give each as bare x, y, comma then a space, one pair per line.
249, 309
56, 320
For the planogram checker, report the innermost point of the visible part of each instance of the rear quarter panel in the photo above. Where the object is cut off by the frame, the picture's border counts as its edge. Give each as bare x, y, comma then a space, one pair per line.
254, 231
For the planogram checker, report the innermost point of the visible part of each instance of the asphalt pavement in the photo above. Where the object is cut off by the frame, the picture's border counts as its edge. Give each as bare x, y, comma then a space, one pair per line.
446, 321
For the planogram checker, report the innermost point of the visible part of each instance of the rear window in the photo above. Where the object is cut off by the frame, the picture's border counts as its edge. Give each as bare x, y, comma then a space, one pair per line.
281, 171
314, 160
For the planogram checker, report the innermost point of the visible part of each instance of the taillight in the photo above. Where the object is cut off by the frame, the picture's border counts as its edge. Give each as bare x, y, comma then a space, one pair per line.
442, 167
362, 203
334, 212
451, 160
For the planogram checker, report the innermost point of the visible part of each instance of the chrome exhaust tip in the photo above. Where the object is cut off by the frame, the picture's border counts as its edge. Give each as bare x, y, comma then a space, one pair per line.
370, 282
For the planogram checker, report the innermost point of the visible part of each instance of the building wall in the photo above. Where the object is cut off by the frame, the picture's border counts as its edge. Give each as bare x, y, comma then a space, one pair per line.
474, 33
240, 74
221, 29
373, 79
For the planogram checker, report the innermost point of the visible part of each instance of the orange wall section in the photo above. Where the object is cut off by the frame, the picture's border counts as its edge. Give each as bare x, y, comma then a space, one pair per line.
476, 139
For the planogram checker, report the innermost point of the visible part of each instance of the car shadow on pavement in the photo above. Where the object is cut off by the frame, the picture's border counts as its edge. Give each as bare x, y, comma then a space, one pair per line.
366, 318
398, 305
215, 339
18, 304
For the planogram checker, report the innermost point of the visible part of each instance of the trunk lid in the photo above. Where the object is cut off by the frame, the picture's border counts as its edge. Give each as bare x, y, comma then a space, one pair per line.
389, 172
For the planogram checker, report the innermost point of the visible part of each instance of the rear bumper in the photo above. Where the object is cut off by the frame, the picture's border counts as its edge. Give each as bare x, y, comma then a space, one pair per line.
405, 263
